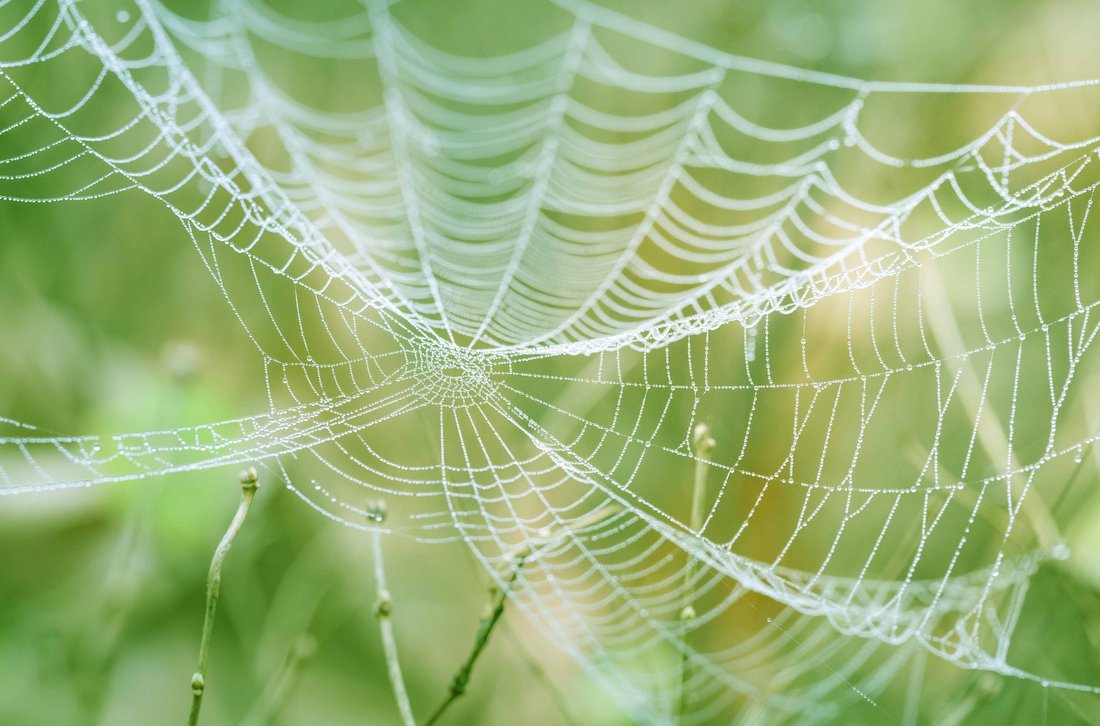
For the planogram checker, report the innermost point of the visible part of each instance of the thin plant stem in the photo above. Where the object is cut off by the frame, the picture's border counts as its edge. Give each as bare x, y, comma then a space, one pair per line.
249, 485
499, 598
499, 595
383, 610
704, 444
485, 628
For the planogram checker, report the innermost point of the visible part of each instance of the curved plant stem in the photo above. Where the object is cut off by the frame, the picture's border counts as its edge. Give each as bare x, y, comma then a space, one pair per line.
703, 445
484, 630
382, 610
499, 598
249, 484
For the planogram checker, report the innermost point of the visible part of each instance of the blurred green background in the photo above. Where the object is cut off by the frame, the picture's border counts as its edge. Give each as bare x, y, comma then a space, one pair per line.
110, 323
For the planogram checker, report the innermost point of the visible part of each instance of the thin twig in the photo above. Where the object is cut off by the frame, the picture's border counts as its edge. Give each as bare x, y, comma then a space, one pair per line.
485, 629
249, 484
383, 609
704, 444
499, 598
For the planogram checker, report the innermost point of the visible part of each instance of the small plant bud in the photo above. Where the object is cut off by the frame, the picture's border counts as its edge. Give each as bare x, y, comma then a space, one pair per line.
198, 684
459, 682
687, 614
701, 439
384, 606
249, 478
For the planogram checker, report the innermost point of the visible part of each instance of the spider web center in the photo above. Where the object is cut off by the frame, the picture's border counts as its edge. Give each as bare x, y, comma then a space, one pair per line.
452, 376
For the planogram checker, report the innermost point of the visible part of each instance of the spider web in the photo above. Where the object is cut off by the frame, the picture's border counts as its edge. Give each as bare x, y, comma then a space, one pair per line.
541, 268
